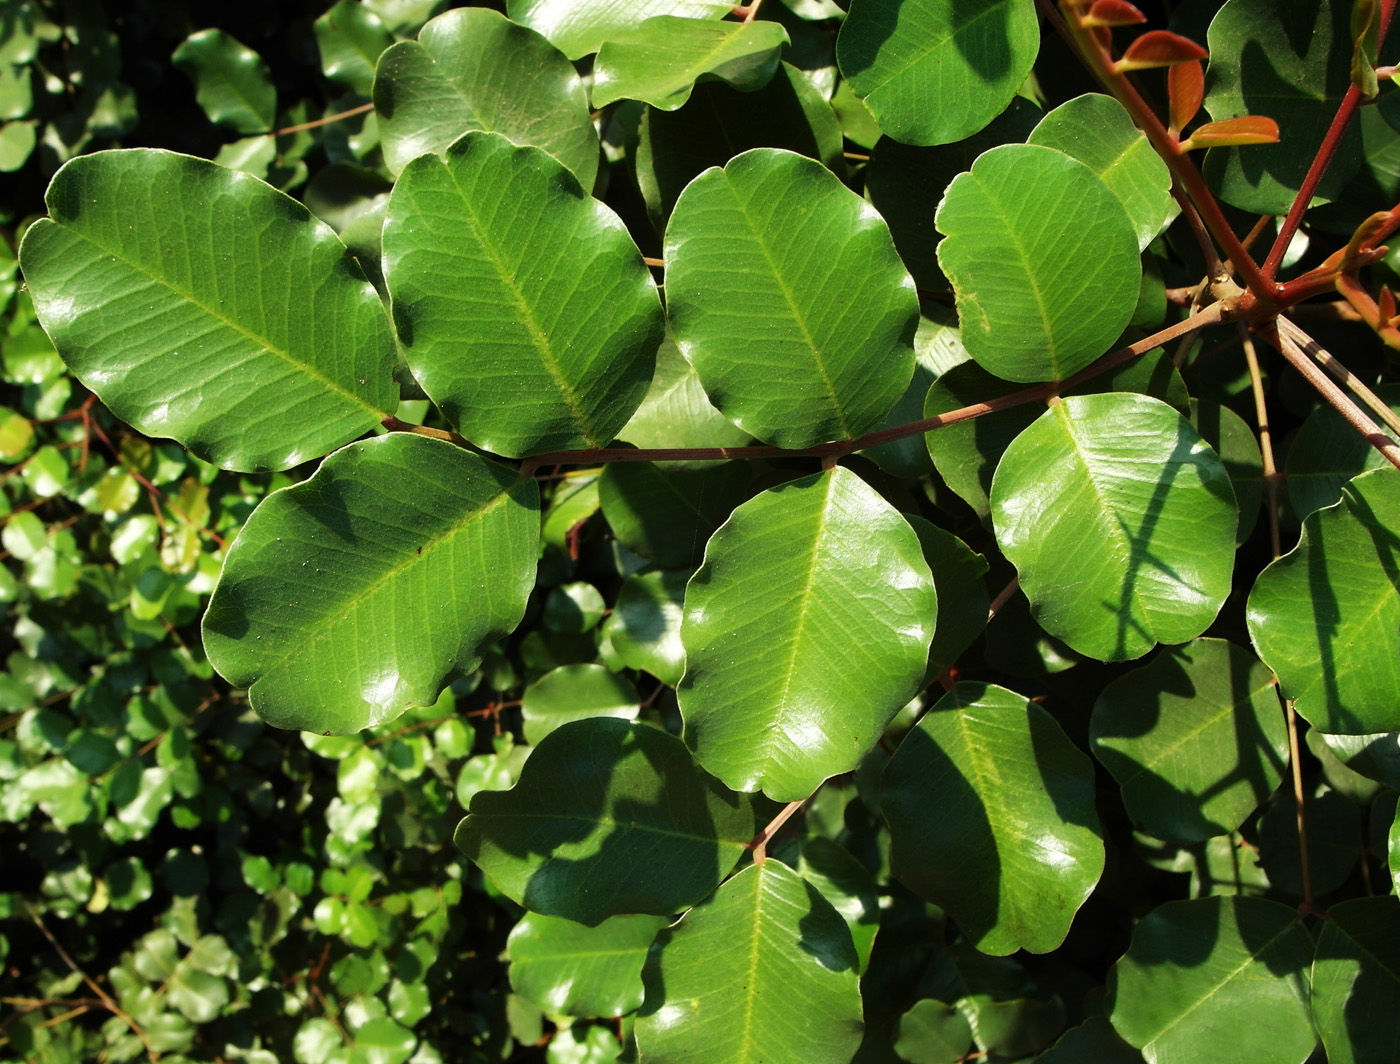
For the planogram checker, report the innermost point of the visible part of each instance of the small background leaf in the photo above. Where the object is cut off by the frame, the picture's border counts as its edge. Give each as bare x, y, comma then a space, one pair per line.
232, 83
581, 971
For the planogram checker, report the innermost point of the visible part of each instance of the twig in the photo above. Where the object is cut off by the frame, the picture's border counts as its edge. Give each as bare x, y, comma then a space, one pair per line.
759, 844
1333, 365
1003, 597
1291, 717
323, 121
1266, 445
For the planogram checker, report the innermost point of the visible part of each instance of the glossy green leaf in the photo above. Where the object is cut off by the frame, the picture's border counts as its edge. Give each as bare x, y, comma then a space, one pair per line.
1356, 980
1376, 756
667, 512
933, 1033
935, 71
575, 692
545, 337
958, 573
1043, 260
1141, 543
358, 593
1093, 1042
1196, 968
1326, 453
805, 630
608, 818
471, 69
581, 971
719, 122
1326, 616
578, 27
844, 882
236, 324
1238, 448
645, 626
786, 295
1097, 131
1195, 739
232, 83
903, 180
660, 60
1289, 62
762, 973
351, 37
1016, 847
1332, 823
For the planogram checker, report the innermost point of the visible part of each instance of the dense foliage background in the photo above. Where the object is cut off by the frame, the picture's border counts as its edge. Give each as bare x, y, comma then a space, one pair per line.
182, 881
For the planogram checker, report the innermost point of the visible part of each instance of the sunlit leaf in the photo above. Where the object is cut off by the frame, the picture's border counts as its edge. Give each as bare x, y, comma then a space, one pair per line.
575, 692
1120, 521
1016, 846
581, 971
805, 630
204, 305
232, 83
578, 27
1326, 616
358, 593
545, 337
763, 973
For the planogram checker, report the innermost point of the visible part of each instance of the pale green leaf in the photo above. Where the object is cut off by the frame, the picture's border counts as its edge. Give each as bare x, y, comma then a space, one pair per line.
579, 27
232, 83
645, 626
581, 971
351, 38
575, 692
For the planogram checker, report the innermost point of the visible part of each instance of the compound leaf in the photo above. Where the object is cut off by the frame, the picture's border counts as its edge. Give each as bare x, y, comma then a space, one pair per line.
1043, 261
1016, 846
472, 69
608, 818
524, 307
787, 296
762, 973
1196, 968
660, 61
1326, 616
1120, 521
805, 630
358, 593
936, 71
201, 304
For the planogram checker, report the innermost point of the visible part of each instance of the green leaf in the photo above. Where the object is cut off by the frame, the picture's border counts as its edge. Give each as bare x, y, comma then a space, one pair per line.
675, 412
1326, 616
581, 971
805, 630
1043, 260
1195, 739
1289, 62
667, 512
524, 308
660, 61
358, 593
1376, 756
1016, 846
903, 180
786, 295
351, 37
762, 973
580, 27
1196, 968
236, 324
935, 71
719, 123
1093, 1042
1326, 453
232, 83
645, 626
1335, 842
471, 69
575, 692
1143, 541
958, 573
1235, 443
608, 818
1097, 131
1356, 980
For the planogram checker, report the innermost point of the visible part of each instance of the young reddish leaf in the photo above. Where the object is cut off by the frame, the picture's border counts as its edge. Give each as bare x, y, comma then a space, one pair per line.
1158, 48
1247, 129
1387, 303
1112, 13
1186, 86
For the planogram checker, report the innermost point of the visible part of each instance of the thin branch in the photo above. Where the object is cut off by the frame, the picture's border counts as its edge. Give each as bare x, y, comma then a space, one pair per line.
1291, 717
1354, 415
323, 121
759, 845
393, 424
1266, 445
1003, 597
1333, 365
